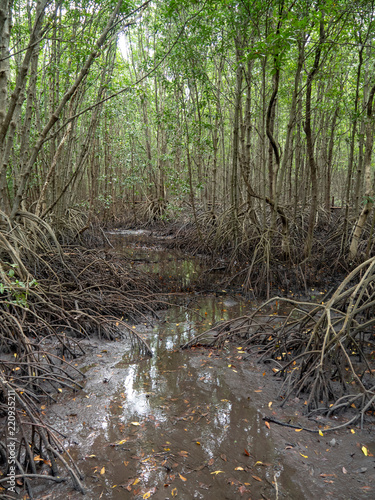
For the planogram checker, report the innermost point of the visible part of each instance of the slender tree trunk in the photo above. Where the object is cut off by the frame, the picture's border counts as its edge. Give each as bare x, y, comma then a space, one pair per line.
310, 147
369, 190
235, 143
329, 157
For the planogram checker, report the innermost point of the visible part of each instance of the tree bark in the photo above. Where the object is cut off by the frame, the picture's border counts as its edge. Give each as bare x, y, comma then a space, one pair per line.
369, 191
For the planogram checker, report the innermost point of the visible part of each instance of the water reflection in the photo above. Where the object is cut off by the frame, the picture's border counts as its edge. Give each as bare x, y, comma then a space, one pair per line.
170, 421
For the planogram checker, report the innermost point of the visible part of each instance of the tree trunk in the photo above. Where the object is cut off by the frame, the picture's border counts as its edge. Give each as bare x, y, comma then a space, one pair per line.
369, 191
310, 147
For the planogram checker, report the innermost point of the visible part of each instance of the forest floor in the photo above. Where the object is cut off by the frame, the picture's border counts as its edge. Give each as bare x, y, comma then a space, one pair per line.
191, 424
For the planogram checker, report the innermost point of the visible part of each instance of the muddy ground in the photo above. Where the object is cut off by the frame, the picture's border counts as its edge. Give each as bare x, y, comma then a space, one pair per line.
190, 424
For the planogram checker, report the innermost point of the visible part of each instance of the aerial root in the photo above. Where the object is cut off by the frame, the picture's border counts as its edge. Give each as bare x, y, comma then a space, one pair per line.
52, 297
324, 352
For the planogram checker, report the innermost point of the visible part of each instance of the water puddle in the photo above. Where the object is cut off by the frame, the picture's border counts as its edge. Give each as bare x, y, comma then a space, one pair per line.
145, 252
184, 424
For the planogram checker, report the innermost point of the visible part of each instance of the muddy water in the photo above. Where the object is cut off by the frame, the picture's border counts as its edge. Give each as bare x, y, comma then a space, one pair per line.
181, 424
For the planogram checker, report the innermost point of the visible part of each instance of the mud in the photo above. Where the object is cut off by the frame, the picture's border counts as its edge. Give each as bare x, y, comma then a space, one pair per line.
190, 424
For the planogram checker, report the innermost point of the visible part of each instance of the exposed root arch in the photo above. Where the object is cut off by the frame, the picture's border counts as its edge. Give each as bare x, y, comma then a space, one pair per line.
324, 352
52, 296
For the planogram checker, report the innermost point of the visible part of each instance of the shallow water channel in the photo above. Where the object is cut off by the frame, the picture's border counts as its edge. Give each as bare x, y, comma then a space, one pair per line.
181, 424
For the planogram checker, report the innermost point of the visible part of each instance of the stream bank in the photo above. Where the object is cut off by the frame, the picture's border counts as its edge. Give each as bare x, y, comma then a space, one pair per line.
189, 424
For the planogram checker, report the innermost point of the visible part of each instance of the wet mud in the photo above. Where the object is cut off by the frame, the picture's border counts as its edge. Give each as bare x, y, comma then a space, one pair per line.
190, 424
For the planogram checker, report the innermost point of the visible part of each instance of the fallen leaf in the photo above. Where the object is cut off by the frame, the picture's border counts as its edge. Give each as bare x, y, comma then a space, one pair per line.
135, 423
217, 472
183, 453
304, 456
182, 478
344, 470
259, 390
352, 431
102, 471
211, 461
246, 452
239, 468
136, 481
321, 433
119, 442
364, 450
174, 492
257, 478
198, 443
298, 430
267, 424
270, 404
223, 457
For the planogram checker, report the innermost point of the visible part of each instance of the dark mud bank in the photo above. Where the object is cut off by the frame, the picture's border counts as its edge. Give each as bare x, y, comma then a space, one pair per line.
190, 424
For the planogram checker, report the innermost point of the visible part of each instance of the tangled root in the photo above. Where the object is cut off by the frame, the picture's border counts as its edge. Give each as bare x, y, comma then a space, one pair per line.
324, 352
50, 298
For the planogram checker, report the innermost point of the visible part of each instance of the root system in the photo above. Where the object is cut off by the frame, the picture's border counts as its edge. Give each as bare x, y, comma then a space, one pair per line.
50, 298
324, 352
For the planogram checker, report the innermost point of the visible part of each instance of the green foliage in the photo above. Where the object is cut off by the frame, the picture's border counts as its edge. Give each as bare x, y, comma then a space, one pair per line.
14, 290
